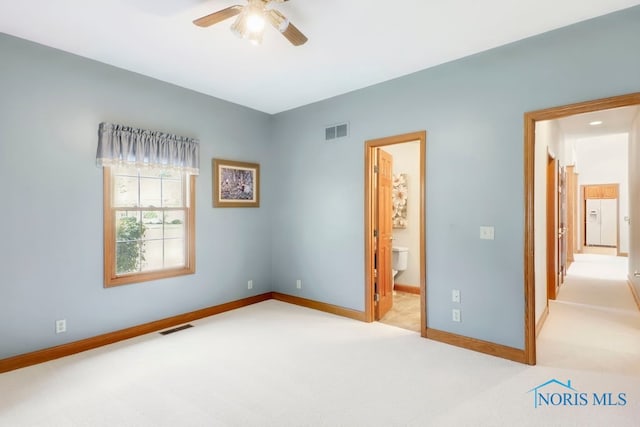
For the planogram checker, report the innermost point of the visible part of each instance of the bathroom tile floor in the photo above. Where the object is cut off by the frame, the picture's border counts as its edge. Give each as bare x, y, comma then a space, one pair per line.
405, 312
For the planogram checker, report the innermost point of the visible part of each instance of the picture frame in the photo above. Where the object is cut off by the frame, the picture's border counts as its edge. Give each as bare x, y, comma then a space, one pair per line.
235, 184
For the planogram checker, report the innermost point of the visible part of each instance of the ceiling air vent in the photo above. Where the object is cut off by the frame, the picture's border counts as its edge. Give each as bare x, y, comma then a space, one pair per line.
336, 131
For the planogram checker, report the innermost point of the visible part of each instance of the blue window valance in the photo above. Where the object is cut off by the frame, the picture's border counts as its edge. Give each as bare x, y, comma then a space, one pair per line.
120, 145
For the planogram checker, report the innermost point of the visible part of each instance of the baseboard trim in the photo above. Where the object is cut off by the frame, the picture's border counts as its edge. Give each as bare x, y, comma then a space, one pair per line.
321, 306
480, 346
47, 354
52, 353
543, 318
636, 297
407, 288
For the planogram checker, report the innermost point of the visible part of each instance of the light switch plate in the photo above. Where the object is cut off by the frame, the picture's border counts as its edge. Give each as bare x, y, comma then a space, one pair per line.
455, 295
487, 232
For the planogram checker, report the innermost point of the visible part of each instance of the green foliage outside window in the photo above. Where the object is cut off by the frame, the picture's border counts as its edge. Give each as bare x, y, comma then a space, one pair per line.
130, 252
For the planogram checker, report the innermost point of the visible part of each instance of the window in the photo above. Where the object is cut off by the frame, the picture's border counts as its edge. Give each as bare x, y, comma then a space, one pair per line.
149, 225
149, 203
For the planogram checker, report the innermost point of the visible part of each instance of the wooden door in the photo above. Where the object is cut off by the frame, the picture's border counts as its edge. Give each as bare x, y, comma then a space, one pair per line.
384, 275
552, 228
572, 198
562, 225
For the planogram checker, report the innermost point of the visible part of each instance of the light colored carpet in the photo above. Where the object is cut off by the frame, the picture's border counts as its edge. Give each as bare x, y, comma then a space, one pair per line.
594, 324
275, 364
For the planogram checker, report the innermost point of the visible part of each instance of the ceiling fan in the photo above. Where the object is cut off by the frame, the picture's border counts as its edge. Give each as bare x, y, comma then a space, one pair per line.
251, 20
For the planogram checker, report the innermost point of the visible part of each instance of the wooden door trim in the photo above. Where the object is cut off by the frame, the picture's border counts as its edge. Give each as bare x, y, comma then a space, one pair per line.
530, 120
369, 220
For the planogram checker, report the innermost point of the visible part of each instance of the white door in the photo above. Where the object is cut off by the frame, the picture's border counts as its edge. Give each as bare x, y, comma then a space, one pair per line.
608, 222
593, 222
602, 223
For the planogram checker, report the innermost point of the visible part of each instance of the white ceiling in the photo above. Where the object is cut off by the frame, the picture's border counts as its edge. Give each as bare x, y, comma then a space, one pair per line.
614, 120
352, 44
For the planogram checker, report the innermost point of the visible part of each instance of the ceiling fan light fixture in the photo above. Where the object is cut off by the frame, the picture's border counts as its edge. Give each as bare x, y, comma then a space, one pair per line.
254, 13
239, 26
255, 23
255, 38
278, 20
251, 20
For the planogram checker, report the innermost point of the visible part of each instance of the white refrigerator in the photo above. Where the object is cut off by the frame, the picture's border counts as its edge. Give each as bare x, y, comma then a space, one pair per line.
602, 223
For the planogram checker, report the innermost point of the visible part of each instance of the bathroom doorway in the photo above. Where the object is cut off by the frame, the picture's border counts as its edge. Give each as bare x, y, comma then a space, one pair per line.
396, 296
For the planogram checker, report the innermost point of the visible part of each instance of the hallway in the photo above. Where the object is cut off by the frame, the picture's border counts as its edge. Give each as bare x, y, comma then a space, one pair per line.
594, 324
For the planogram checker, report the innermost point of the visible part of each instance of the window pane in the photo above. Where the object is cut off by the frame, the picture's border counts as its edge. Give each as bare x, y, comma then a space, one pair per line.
152, 255
125, 191
174, 224
127, 257
150, 192
129, 246
148, 172
172, 196
174, 251
128, 226
152, 218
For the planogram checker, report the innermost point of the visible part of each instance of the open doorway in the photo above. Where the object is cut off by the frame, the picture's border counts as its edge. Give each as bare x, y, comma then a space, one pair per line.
557, 240
394, 236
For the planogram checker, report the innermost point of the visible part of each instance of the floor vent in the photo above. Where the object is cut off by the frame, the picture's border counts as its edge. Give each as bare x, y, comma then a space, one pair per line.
178, 329
336, 131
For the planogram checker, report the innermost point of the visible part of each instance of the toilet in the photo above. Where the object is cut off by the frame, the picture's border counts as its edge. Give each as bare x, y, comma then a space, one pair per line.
399, 260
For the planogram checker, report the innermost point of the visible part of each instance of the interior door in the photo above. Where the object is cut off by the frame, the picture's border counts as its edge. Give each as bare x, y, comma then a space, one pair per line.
592, 208
552, 228
562, 226
384, 227
572, 194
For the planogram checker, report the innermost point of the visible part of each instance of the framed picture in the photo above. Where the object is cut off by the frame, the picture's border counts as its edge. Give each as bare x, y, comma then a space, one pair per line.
236, 184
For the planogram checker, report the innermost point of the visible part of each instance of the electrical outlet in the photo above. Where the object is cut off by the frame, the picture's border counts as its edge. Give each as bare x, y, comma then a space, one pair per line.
455, 315
250, 284
487, 232
299, 284
61, 326
455, 295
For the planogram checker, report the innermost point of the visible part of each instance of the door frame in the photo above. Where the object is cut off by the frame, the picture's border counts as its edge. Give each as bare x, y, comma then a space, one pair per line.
369, 221
530, 120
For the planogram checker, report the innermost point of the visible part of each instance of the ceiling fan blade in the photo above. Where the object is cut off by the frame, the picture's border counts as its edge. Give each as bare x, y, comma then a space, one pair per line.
282, 24
294, 35
218, 16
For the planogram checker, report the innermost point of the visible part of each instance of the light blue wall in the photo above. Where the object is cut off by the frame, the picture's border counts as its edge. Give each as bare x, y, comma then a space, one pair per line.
311, 222
51, 216
473, 111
